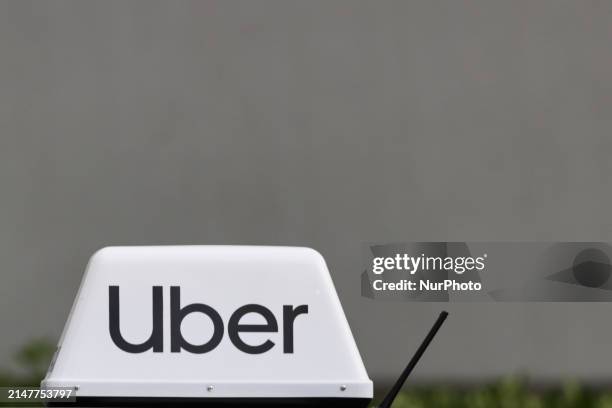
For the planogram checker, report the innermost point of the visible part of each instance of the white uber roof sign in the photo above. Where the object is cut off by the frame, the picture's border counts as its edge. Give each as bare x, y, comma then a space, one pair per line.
209, 325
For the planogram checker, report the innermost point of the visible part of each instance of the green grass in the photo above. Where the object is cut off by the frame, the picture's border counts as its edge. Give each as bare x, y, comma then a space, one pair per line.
512, 392
33, 360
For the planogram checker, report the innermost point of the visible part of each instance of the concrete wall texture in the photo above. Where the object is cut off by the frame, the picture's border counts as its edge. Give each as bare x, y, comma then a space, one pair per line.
320, 123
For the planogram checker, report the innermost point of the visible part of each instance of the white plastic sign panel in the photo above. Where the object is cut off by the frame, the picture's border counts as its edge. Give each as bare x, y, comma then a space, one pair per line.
220, 322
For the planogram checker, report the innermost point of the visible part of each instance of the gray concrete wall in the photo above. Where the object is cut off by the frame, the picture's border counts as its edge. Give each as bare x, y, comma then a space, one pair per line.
321, 123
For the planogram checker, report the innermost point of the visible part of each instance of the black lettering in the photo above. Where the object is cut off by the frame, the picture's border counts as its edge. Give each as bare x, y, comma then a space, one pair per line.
235, 328
155, 341
289, 315
177, 342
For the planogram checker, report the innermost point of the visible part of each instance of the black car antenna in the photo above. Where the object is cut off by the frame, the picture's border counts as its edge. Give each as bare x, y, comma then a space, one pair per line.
390, 397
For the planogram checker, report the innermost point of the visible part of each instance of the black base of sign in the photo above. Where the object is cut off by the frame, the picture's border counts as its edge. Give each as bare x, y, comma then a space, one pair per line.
215, 402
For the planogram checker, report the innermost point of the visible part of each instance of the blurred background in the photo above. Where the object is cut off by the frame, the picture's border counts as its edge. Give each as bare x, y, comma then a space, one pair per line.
322, 123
